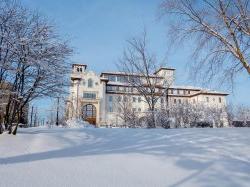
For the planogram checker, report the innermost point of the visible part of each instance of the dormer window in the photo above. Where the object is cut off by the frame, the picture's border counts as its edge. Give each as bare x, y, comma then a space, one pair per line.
90, 83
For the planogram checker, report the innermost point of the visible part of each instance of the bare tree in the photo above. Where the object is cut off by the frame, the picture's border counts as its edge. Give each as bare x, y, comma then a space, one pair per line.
230, 110
125, 112
163, 118
215, 115
197, 115
221, 31
123, 106
185, 114
243, 114
139, 66
33, 59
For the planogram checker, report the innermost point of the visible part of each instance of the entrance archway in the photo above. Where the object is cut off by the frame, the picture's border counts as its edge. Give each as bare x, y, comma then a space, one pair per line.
89, 113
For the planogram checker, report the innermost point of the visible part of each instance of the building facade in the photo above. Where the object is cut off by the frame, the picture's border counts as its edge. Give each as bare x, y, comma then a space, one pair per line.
94, 97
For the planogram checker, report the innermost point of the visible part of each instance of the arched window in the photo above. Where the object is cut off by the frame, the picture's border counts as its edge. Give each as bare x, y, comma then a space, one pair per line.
89, 111
90, 83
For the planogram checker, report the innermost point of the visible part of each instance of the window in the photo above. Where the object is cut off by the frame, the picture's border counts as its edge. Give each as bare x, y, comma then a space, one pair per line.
162, 100
110, 108
89, 95
174, 101
139, 99
139, 109
90, 83
178, 92
80, 69
110, 98
119, 98
207, 99
134, 109
134, 99
125, 79
111, 88
112, 78
122, 79
119, 78
119, 109
134, 79
110, 104
172, 91
132, 90
77, 69
219, 99
125, 99
89, 111
179, 101
188, 91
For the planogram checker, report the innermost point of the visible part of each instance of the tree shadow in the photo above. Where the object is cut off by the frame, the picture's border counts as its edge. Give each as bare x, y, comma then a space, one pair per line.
194, 153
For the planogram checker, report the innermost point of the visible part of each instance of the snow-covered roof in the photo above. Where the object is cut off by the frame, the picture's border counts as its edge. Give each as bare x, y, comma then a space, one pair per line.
213, 92
164, 68
125, 73
202, 90
186, 87
118, 83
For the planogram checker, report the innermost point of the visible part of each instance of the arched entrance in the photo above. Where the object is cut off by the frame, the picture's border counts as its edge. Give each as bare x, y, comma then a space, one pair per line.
89, 113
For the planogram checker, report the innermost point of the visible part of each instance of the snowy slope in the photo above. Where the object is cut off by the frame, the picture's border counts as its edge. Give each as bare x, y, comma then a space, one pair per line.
125, 157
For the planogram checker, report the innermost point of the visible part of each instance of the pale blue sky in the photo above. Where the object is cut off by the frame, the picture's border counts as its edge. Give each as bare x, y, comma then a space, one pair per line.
98, 30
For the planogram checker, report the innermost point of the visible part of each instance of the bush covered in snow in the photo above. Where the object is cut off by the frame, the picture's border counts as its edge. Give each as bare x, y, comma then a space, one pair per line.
78, 123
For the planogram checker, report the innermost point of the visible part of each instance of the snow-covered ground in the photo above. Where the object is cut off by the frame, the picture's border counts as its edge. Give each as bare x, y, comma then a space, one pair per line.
125, 157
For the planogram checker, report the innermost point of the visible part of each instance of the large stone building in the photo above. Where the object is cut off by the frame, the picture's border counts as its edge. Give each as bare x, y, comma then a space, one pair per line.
93, 97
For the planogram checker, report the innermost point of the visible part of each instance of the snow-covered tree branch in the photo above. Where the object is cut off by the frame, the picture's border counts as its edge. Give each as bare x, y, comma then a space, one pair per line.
140, 66
220, 31
33, 58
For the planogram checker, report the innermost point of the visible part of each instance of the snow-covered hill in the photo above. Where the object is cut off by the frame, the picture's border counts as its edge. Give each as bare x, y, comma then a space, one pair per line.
125, 157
